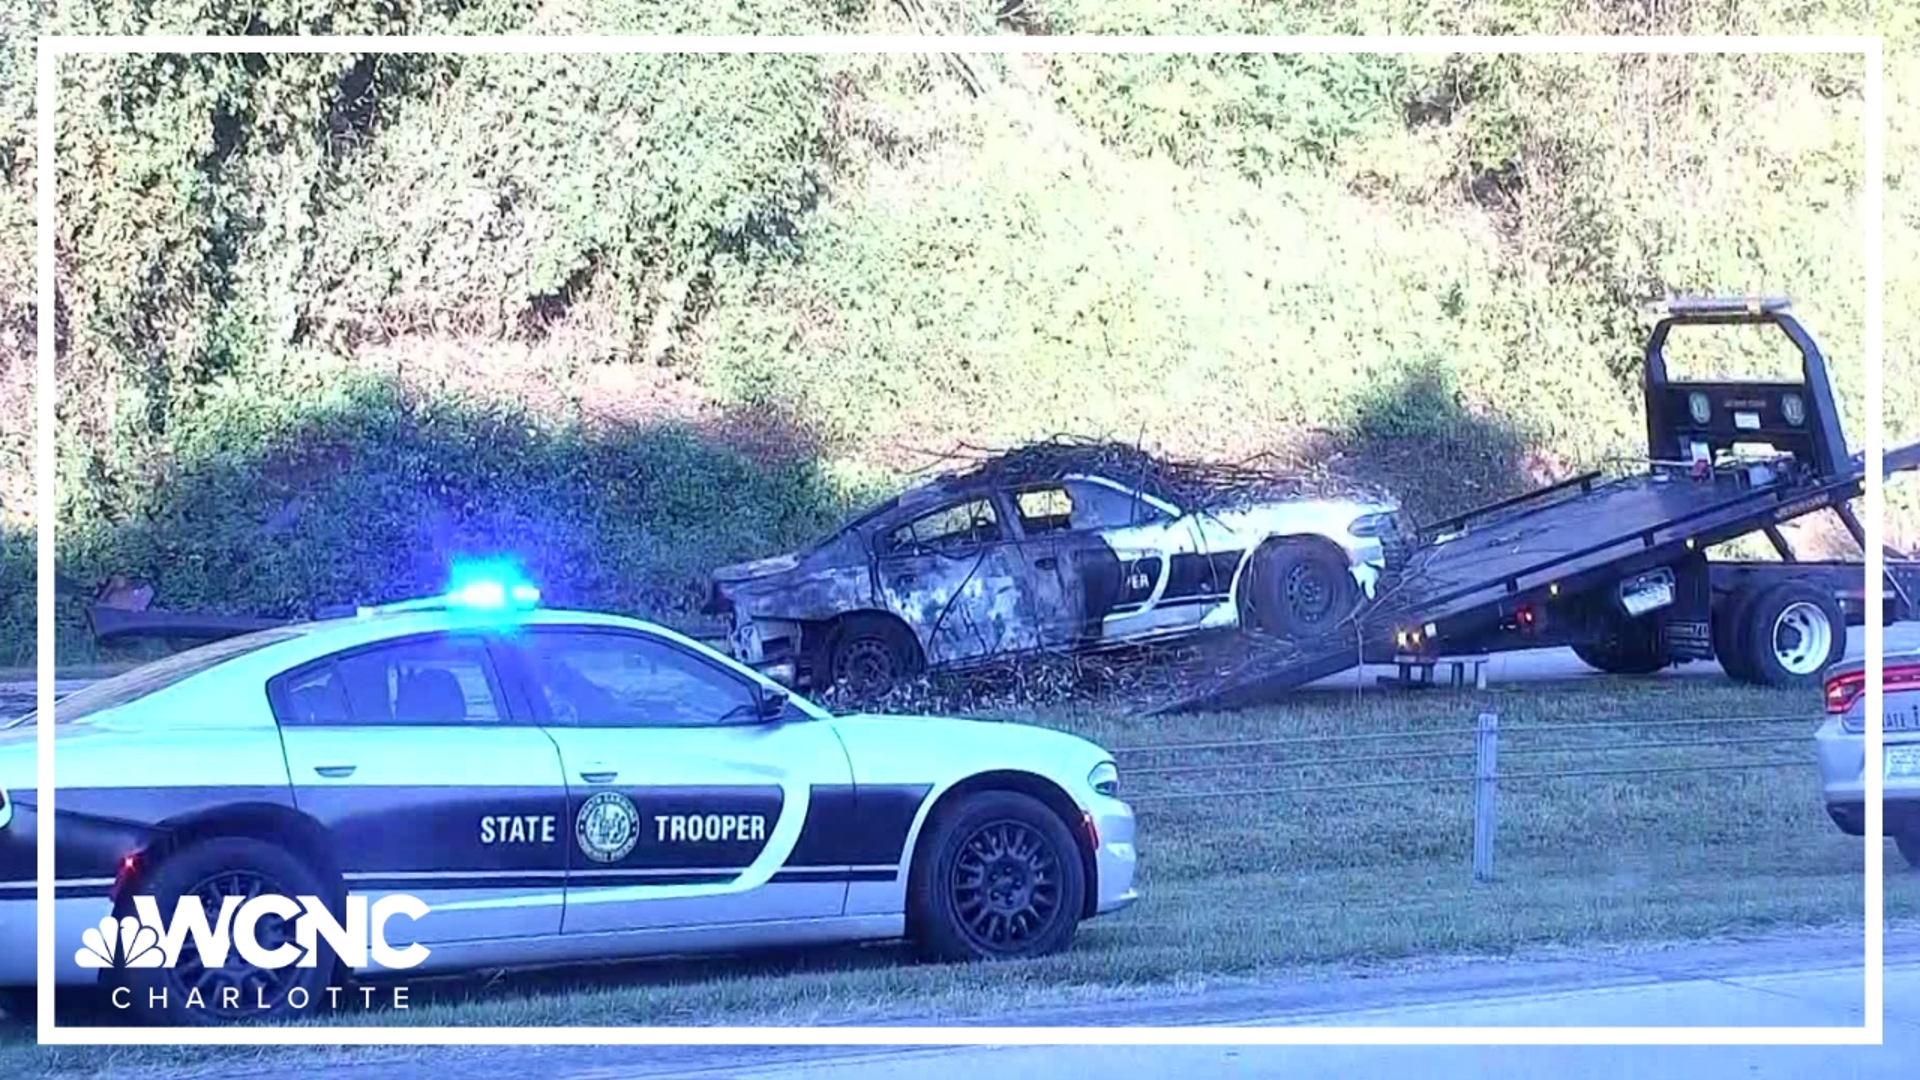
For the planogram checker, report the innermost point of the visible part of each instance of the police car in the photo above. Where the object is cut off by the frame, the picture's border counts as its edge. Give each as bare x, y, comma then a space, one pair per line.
552, 786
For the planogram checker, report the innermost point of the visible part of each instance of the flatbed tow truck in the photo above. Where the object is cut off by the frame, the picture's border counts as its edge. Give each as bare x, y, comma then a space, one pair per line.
1617, 569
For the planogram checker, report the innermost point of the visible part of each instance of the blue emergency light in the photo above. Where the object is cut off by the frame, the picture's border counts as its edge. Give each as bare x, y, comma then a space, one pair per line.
490, 585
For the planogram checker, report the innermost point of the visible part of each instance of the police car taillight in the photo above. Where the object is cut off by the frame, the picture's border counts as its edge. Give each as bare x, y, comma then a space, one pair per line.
1844, 690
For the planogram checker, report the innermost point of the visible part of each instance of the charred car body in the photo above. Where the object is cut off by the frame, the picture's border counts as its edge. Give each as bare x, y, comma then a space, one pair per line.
1047, 550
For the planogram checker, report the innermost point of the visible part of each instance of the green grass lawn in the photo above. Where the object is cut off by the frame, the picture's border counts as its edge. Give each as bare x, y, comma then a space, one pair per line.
1244, 886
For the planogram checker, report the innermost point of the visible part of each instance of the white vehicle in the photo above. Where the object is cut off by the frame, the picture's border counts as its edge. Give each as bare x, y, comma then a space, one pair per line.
1842, 744
962, 569
555, 786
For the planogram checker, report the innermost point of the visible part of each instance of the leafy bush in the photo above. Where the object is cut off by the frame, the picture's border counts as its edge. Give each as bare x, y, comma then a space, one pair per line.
329, 321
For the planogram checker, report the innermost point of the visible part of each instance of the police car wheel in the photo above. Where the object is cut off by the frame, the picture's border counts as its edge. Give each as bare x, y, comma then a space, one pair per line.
21, 1004
999, 878
190, 993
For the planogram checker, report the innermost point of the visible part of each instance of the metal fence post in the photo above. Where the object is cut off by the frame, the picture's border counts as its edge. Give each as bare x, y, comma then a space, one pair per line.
1486, 751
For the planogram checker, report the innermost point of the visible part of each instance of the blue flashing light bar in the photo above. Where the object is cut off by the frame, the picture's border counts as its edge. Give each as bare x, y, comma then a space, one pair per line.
490, 585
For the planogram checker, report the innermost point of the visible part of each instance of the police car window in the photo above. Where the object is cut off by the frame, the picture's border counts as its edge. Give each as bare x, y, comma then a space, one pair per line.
430, 681
629, 680
160, 674
164, 673
957, 525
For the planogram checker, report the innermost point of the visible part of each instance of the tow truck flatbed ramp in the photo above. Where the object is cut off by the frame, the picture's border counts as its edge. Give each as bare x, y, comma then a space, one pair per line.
1539, 569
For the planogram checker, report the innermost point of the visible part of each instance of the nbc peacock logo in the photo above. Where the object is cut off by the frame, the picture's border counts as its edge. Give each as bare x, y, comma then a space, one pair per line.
126, 943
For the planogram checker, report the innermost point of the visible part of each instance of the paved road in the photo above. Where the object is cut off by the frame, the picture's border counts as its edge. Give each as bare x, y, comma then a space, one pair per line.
1796, 980
1554, 665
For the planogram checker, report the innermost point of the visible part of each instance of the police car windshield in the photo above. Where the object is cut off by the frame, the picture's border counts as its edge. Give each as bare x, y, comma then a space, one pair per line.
158, 675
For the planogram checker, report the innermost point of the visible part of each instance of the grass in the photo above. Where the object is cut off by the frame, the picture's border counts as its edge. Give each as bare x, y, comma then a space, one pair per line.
1244, 887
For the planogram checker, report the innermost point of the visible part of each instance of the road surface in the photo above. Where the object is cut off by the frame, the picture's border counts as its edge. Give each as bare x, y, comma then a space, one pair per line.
1556, 665
1799, 980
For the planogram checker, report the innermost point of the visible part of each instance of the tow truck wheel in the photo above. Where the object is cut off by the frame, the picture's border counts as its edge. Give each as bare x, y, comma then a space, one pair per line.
1729, 637
1793, 631
1629, 647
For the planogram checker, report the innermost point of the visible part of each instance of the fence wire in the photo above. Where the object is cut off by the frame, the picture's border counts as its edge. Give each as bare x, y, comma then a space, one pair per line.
1525, 732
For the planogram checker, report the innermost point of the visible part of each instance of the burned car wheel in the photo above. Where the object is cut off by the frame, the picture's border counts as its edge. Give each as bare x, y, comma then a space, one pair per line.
1297, 590
869, 655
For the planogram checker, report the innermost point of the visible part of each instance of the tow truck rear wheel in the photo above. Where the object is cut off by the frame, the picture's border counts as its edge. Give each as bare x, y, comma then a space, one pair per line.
1627, 647
1793, 632
1730, 637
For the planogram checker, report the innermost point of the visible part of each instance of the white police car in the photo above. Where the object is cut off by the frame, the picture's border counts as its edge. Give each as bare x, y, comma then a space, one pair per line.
552, 785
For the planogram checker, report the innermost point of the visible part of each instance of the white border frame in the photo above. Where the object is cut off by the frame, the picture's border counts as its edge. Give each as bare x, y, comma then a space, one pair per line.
1870, 48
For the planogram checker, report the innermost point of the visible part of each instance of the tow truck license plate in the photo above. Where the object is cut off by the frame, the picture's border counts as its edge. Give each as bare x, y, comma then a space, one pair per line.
1647, 596
1903, 761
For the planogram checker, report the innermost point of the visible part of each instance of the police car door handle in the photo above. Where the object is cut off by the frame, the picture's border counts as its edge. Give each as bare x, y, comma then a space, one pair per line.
334, 772
598, 774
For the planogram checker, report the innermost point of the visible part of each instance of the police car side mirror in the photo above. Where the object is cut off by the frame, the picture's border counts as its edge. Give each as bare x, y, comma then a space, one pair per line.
772, 704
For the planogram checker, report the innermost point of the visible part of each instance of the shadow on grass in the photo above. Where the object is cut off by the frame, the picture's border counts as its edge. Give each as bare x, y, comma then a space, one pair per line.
370, 494
1418, 438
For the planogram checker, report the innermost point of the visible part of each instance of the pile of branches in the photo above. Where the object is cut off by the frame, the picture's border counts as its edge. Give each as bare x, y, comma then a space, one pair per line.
1188, 484
1134, 679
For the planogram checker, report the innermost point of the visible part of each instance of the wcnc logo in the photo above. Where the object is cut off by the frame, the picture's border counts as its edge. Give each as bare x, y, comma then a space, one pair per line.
146, 940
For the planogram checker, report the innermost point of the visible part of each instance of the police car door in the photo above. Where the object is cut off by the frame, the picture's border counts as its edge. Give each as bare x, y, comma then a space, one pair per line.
684, 802
430, 784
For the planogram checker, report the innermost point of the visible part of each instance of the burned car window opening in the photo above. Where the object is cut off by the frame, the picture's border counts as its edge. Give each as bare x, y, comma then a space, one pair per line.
962, 525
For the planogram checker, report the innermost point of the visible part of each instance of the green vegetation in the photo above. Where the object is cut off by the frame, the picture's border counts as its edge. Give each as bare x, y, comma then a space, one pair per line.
329, 321
1241, 887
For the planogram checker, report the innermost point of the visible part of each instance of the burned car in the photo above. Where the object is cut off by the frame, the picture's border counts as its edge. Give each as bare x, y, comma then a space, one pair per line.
1063, 548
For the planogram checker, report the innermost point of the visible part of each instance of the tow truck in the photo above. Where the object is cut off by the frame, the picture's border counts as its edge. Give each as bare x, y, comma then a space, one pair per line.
1618, 568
